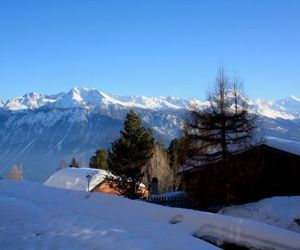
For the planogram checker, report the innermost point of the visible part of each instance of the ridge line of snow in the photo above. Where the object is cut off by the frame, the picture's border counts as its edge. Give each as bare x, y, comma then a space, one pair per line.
82, 97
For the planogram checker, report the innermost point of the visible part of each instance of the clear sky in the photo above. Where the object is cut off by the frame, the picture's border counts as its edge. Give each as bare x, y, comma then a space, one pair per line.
153, 47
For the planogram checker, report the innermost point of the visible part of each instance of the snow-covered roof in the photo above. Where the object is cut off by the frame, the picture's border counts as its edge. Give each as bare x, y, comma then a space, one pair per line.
76, 178
289, 146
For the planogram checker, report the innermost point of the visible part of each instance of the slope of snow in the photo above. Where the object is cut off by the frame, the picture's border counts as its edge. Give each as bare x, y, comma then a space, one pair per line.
72, 99
278, 211
76, 178
270, 109
295, 98
36, 216
291, 105
152, 102
292, 147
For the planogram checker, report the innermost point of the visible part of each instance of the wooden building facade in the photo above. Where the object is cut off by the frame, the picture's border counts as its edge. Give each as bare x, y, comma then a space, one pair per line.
260, 172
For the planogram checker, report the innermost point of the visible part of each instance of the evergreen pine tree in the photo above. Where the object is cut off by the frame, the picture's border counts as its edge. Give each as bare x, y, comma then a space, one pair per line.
130, 154
74, 163
99, 159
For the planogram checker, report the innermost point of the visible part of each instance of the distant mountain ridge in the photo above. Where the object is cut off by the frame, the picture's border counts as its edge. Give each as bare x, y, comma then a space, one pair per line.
87, 98
81, 97
40, 130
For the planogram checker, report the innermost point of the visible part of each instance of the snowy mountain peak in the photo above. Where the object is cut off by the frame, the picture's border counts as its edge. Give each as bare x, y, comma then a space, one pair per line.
71, 99
28, 101
81, 97
79, 89
74, 94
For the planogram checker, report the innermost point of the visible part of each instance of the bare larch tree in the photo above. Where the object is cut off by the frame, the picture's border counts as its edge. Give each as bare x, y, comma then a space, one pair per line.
223, 128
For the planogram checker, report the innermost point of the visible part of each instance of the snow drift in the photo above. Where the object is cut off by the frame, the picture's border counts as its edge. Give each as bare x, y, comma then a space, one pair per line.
278, 211
36, 216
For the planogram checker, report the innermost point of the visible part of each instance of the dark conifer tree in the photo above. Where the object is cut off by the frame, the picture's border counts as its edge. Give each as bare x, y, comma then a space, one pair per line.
99, 159
130, 154
74, 163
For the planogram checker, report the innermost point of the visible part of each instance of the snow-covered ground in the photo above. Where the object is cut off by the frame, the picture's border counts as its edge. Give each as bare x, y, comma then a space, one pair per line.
278, 211
36, 216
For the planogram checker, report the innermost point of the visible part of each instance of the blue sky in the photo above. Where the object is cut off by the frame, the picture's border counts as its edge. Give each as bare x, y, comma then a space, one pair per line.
155, 47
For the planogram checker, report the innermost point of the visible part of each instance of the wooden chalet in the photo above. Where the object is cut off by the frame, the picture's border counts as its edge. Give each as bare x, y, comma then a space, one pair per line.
271, 168
87, 179
113, 188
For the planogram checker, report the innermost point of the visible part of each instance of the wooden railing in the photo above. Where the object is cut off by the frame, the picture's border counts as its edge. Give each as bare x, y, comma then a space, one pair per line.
172, 201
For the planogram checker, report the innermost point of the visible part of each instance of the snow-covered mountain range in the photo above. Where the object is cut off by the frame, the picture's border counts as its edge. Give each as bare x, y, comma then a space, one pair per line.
89, 99
39, 130
80, 97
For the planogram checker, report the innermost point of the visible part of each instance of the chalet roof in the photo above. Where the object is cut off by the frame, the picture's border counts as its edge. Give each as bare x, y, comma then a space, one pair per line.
289, 146
76, 178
